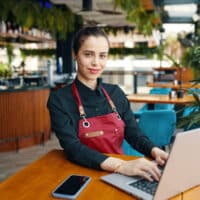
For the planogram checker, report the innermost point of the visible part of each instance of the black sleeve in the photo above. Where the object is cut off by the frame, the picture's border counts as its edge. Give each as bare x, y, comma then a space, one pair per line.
133, 134
62, 124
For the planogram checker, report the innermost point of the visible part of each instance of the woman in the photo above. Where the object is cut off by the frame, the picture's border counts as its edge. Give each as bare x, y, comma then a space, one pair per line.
91, 118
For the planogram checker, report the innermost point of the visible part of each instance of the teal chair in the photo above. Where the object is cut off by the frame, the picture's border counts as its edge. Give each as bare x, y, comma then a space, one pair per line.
194, 90
162, 91
128, 150
157, 106
158, 125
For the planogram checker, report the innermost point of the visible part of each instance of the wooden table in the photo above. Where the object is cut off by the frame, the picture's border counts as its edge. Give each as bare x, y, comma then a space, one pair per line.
185, 85
152, 99
40, 178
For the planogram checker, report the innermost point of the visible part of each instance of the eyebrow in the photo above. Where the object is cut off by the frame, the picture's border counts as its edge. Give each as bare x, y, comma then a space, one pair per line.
104, 52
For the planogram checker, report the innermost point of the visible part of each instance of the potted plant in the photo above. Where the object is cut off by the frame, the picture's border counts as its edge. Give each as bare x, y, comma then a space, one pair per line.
190, 117
191, 57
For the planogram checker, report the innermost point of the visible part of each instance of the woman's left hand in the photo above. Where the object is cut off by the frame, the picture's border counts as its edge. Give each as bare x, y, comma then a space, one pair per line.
159, 155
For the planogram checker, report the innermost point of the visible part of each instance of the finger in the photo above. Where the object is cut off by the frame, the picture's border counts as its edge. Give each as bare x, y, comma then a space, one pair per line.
160, 161
145, 175
153, 169
164, 156
155, 173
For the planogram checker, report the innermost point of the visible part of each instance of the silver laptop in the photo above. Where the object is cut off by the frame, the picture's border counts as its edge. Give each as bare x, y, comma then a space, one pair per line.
181, 172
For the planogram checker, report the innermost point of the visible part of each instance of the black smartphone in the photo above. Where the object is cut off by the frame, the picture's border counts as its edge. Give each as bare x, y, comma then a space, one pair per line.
71, 187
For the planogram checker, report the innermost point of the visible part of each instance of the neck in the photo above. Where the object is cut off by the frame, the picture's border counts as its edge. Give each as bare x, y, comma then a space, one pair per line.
92, 84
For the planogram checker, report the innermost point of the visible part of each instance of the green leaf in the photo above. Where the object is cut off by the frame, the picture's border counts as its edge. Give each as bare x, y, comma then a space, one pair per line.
145, 21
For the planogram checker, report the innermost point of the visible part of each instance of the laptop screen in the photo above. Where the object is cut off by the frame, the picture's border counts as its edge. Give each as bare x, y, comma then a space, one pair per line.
182, 168
181, 171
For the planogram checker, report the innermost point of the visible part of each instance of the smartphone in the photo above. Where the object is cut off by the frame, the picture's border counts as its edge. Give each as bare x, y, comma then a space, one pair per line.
71, 187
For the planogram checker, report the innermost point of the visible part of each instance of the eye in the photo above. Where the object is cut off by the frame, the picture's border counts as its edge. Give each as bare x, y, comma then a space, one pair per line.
88, 54
103, 56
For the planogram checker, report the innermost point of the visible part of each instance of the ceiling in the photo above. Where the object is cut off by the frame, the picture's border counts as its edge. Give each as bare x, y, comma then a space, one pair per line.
102, 11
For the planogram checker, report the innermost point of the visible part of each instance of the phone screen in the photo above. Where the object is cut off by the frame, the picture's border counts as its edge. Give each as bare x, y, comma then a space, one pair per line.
72, 185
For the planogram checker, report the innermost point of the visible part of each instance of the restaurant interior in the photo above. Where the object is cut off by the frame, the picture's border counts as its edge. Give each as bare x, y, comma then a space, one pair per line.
154, 57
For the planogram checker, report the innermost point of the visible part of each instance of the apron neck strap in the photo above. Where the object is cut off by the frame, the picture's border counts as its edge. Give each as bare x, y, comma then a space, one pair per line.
112, 105
80, 105
78, 99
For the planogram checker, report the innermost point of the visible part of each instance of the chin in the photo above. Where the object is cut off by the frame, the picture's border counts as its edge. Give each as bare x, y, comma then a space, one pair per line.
95, 75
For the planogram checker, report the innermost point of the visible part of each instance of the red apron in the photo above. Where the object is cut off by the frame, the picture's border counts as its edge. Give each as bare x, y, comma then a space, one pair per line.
105, 133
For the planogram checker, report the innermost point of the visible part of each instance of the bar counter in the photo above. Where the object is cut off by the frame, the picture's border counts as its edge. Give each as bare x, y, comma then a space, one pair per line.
24, 118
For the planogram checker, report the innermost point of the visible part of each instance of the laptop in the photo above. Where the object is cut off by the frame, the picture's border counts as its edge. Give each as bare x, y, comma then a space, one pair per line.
180, 173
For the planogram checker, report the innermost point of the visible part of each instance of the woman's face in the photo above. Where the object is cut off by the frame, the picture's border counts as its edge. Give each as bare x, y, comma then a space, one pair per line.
91, 59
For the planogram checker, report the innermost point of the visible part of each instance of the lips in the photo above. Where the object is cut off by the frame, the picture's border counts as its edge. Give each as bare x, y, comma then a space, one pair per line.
94, 71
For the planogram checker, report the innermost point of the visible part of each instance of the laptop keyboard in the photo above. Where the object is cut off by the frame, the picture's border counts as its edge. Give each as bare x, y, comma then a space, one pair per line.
145, 185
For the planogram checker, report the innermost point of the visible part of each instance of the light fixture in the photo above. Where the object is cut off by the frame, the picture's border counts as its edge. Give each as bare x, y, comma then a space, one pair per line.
196, 17
184, 10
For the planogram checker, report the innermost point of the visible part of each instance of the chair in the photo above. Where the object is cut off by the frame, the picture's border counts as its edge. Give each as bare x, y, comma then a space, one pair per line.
194, 90
162, 91
128, 150
159, 126
158, 90
157, 106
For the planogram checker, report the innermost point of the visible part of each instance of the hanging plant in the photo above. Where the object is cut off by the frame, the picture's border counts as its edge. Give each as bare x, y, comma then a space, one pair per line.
56, 19
26, 13
114, 30
145, 21
140, 50
38, 52
66, 21
6, 8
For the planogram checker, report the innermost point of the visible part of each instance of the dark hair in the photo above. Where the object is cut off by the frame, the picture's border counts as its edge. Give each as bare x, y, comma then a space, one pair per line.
83, 34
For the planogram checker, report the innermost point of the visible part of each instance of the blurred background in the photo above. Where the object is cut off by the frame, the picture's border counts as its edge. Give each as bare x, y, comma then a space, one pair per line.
152, 41
35, 39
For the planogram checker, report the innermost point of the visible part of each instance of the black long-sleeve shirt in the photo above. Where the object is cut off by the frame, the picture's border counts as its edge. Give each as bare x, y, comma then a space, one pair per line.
65, 117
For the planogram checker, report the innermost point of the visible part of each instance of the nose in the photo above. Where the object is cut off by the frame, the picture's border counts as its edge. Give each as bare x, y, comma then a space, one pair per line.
95, 60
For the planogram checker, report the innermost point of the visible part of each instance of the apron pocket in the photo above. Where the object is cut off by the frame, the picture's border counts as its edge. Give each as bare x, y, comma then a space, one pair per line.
94, 134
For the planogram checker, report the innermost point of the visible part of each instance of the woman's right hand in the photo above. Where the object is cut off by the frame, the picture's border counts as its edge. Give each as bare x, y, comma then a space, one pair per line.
140, 167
